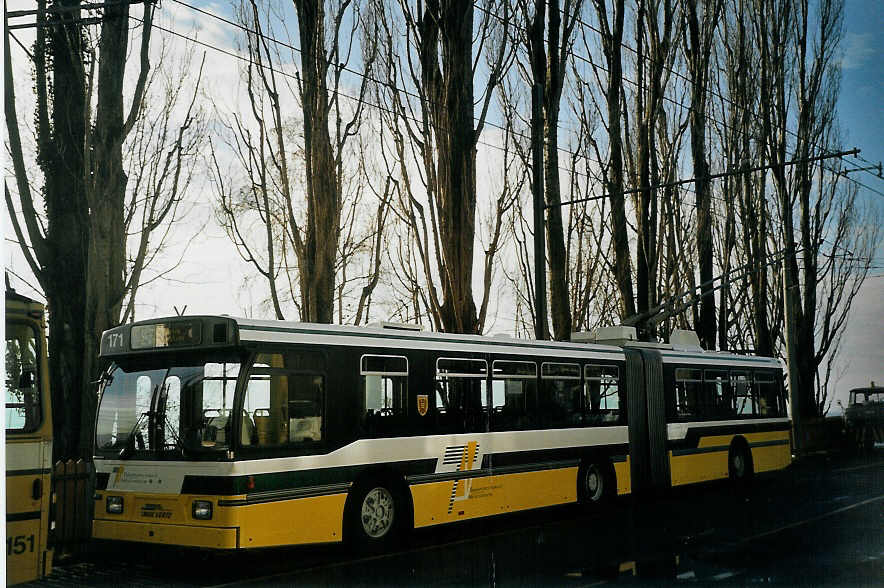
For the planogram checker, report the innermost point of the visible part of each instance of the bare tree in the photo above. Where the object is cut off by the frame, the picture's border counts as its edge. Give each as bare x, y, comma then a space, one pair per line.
612, 42
699, 38
307, 247
434, 126
84, 141
656, 33
548, 58
799, 82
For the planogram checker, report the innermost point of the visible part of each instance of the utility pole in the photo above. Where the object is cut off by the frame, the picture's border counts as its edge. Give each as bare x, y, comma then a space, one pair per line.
539, 212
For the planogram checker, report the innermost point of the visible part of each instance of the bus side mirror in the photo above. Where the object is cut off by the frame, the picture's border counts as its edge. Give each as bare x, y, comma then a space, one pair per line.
26, 380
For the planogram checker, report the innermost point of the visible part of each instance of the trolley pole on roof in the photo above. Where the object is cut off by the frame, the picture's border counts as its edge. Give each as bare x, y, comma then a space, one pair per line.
539, 212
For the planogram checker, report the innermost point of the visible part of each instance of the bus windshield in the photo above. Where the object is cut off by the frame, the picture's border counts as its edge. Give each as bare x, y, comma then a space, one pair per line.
22, 387
167, 411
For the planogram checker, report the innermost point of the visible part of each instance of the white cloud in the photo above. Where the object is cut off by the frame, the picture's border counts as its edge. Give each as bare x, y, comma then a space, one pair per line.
859, 48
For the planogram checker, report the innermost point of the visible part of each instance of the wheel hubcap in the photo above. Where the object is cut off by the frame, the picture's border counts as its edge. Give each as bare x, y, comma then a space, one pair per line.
593, 484
739, 465
377, 512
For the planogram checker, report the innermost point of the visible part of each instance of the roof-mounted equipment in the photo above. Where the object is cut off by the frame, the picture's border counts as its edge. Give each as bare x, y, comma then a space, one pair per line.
684, 340
619, 335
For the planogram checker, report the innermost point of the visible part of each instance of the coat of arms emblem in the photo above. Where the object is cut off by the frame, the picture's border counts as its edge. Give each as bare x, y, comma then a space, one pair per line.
423, 404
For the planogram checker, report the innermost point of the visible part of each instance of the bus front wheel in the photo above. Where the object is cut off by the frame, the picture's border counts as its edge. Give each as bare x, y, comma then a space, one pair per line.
375, 515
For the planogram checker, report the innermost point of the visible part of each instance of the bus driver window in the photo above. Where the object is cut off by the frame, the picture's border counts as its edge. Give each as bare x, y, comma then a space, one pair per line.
286, 406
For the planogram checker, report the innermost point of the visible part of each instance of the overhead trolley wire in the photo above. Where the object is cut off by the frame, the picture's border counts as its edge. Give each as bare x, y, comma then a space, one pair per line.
381, 107
489, 123
339, 93
388, 110
712, 91
678, 74
407, 92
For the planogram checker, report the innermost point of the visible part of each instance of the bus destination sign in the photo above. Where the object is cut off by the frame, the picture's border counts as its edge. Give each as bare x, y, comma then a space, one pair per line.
171, 334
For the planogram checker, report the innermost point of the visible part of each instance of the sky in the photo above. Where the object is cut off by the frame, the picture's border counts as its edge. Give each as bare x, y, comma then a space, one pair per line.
209, 281
861, 110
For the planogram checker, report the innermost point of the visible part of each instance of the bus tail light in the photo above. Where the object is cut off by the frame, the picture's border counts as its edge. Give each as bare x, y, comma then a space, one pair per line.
202, 510
114, 504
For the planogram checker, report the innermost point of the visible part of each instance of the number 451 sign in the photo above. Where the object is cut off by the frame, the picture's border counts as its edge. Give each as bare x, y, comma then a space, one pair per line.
20, 544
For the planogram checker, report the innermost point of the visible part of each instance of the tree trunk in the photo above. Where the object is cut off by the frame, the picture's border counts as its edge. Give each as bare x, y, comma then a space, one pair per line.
106, 193
698, 48
448, 25
558, 47
80, 261
68, 233
612, 39
317, 262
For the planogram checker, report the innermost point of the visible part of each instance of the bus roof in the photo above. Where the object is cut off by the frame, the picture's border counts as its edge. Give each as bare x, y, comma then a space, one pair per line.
18, 303
221, 331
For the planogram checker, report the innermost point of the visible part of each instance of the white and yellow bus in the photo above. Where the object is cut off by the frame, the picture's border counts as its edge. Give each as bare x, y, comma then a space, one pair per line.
230, 433
28, 426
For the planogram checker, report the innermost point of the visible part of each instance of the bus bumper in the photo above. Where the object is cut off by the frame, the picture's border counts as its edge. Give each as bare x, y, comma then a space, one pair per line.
183, 535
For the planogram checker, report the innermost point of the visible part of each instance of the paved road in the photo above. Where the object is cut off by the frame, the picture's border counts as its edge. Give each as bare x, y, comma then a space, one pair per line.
820, 522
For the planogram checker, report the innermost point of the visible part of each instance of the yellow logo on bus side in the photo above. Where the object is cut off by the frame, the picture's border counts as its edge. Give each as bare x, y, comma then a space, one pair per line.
423, 404
459, 458
119, 471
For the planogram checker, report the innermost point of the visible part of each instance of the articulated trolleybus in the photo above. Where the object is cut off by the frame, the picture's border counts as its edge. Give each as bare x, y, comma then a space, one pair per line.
228, 433
28, 441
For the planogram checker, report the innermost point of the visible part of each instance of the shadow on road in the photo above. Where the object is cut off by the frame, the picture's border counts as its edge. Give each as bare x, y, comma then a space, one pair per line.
816, 522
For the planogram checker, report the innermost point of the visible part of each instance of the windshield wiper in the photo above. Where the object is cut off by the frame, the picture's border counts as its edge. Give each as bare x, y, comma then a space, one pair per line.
129, 447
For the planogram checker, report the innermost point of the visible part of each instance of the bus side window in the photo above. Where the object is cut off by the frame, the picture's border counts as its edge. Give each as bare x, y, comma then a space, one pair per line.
602, 394
767, 395
688, 390
742, 387
718, 395
306, 395
384, 380
461, 387
514, 384
559, 402
281, 406
213, 402
257, 402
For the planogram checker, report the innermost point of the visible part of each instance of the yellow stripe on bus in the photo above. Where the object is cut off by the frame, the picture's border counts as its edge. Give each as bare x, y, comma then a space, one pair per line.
20, 492
698, 467
624, 477
317, 519
187, 535
490, 495
713, 465
287, 522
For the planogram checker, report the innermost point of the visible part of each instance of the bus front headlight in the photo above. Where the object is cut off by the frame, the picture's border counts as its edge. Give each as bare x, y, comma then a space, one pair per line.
202, 510
114, 504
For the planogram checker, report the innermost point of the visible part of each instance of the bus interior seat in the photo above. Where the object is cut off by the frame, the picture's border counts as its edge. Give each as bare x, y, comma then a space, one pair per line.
248, 433
305, 429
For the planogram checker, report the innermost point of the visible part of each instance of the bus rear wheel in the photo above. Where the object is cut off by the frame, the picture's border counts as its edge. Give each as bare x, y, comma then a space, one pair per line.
740, 464
595, 483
